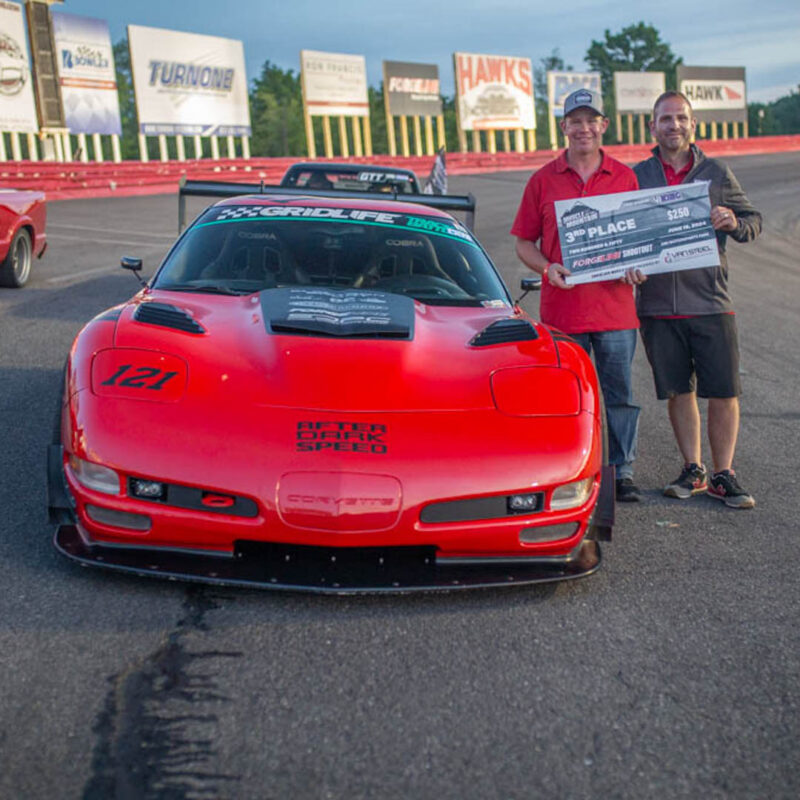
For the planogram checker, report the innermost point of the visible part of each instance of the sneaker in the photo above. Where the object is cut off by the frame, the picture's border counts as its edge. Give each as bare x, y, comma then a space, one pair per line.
627, 491
725, 487
692, 480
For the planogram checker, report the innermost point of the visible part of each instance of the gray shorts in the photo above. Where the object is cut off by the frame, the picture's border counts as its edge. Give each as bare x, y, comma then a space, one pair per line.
693, 354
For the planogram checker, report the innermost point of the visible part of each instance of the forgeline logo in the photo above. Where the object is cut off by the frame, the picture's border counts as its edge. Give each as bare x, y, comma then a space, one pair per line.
689, 252
598, 259
13, 68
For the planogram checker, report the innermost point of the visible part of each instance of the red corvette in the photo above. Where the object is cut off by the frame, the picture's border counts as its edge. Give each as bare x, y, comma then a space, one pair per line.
329, 394
22, 234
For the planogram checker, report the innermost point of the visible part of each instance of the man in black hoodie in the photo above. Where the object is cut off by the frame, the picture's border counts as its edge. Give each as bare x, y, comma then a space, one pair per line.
687, 320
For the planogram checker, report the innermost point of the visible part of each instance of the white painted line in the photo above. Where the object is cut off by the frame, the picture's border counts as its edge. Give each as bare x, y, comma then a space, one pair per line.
150, 245
51, 225
73, 276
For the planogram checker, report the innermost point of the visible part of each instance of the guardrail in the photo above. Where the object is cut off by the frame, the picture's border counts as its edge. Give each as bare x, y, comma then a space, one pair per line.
71, 180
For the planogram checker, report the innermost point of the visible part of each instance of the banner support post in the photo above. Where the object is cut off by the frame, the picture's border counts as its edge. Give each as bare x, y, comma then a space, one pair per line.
97, 147
344, 145
180, 147
116, 153
16, 149
417, 136
429, 148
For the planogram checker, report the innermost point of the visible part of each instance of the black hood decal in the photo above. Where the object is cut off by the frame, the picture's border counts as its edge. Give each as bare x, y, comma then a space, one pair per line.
353, 313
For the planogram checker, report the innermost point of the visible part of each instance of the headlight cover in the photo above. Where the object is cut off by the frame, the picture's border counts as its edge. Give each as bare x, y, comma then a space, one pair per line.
95, 476
571, 495
536, 392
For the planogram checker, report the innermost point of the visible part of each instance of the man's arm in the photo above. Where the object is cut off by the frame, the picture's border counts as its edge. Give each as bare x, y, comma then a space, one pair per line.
531, 256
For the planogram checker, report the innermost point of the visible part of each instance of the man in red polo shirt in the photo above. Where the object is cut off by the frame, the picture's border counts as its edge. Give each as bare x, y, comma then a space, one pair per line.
600, 316
688, 325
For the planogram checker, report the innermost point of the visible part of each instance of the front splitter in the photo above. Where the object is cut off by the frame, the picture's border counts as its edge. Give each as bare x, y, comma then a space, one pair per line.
329, 570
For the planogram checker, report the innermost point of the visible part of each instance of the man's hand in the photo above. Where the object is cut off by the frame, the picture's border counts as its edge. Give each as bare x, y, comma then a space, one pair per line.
634, 277
555, 276
723, 219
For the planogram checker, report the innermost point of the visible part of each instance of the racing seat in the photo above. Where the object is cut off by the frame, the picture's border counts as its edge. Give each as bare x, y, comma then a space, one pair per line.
257, 256
401, 254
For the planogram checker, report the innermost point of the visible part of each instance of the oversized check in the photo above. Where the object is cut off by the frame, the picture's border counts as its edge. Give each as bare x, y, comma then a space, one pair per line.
654, 230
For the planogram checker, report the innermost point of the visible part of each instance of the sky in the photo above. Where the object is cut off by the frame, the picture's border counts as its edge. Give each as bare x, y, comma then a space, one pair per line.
763, 37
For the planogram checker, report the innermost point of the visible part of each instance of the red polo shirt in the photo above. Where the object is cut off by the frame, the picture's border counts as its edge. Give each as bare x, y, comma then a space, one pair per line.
587, 307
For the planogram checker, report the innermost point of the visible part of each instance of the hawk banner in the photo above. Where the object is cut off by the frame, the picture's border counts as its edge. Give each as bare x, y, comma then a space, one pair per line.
665, 229
717, 94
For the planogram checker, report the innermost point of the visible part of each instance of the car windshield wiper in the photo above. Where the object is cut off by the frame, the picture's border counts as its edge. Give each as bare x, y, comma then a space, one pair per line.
208, 288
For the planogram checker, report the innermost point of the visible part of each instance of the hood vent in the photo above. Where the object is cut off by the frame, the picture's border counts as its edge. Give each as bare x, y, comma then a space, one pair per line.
505, 331
167, 316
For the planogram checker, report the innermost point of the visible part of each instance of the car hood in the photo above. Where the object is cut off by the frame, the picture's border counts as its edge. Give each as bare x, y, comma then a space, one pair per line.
241, 350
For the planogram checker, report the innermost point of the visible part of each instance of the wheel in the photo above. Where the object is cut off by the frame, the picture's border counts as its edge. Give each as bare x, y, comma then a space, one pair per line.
16, 269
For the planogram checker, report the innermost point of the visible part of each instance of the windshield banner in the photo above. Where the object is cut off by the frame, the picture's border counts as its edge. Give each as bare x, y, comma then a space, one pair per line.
665, 229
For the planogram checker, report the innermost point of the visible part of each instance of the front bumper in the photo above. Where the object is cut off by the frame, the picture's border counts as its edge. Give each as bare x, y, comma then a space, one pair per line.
329, 570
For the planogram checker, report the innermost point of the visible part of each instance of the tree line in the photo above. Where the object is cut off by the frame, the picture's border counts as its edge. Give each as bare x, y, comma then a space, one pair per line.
276, 107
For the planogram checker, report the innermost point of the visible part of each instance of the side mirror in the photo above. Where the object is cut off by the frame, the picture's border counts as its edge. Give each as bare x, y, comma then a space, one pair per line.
134, 265
530, 284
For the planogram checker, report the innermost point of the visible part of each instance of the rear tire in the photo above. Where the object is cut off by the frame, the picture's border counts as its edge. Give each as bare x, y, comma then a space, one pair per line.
16, 269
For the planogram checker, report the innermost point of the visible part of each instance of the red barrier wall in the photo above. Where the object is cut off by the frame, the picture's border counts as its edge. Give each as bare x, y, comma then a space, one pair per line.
76, 179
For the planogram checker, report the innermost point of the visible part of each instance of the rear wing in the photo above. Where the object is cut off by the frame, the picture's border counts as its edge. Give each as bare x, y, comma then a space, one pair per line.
446, 202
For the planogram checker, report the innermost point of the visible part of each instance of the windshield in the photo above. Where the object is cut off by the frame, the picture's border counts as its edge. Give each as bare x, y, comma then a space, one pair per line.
235, 249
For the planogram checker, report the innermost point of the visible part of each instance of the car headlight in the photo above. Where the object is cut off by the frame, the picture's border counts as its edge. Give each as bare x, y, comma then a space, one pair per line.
571, 495
95, 476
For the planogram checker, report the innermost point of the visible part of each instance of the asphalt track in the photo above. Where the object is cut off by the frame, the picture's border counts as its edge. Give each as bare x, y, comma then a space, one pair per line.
672, 673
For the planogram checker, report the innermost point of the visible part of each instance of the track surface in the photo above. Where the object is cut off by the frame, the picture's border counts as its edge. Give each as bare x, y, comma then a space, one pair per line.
673, 672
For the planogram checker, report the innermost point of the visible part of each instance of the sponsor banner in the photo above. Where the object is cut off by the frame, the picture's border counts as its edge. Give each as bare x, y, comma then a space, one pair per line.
334, 84
716, 93
17, 103
86, 77
412, 89
188, 84
562, 84
637, 92
665, 229
450, 229
494, 92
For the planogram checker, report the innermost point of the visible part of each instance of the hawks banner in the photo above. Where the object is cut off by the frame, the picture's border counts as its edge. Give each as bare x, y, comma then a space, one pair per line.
717, 94
665, 229
494, 92
86, 76
17, 104
188, 84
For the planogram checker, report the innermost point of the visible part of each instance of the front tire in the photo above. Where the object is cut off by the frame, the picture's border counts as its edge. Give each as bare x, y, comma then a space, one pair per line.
16, 269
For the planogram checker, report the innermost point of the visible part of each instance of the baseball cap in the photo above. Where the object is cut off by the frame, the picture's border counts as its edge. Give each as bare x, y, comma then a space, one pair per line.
583, 98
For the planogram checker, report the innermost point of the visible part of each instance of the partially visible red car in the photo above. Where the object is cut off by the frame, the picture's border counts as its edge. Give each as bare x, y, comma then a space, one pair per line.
22, 234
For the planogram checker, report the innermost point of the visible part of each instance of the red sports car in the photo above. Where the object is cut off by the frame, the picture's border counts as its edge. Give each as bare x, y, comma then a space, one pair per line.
22, 234
329, 394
